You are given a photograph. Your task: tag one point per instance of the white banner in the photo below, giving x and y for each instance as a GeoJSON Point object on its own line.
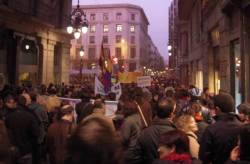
{"type": "Point", "coordinates": [111, 108]}
{"type": "Point", "coordinates": [99, 88]}
{"type": "Point", "coordinates": [144, 81]}
{"type": "Point", "coordinates": [117, 89]}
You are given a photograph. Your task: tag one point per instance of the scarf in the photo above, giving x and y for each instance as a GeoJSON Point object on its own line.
{"type": "Point", "coordinates": [185, 158]}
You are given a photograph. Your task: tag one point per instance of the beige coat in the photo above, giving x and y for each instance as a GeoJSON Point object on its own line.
{"type": "Point", "coordinates": [194, 146]}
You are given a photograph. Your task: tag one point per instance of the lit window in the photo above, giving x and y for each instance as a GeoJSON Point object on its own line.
{"type": "Point", "coordinates": [92, 28]}
{"type": "Point", "coordinates": [118, 16]}
{"type": "Point", "coordinates": [105, 28]}
{"type": "Point", "coordinates": [132, 28]}
{"type": "Point", "coordinates": [92, 17]}
{"type": "Point", "coordinates": [118, 28]}
{"type": "Point", "coordinates": [106, 16]}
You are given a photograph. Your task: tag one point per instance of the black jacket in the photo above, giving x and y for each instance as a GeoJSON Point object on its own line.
{"type": "Point", "coordinates": [23, 130]}
{"type": "Point", "coordinates": [145, 151]}
{"type": "Point", "coordinates": [219, 139]}
{"type": "Point", "coordinates": [237, 162]}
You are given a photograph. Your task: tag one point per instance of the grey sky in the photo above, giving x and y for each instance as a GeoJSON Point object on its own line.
{"type": "Point", "coordinates": [157, 13]}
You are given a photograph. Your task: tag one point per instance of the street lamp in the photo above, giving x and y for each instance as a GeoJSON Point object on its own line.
{"type": "Point", "coordinates": [169, 47]}
{"type": "Point", "coordinates": [81, 52]}
{"type": "Point", "coordinates": [169, 54]}
{"type": "Point", "coordinates": [78, 23]}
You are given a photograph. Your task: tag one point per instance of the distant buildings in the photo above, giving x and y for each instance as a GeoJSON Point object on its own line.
{"type": "Point", "coordinates": [123, 28]}
{"type": "Point", "coordinates": [213, 46]}
{"type": "Point", "coordinates": [34, 47]}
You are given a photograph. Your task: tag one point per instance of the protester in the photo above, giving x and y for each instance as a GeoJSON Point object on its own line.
{"type": "Point", "coordinates": [94, 142]}
{"type": "Point", "coordinates": [9, 104]}
{"type": "Point", "coordinates": [130, 129]}
{"type": "Point", "coordinates": [143, 105]}
{"type": "Point", "coordinates": [196, 111]}
{"type": "Point", "coordinates": [174, 149]}
{"type": "Point", "coordinates": [219, 139]}
{"type": "Point", "coordinates": [23, 130]}
{"type": "Point", "coordinates": [187, 124]}
{"type": "Point", "coordinates": [81, 107]}
{"type": "Point", "coordinates": [146, 147]}
{"type": "Point", "coordinates": [244, 112]}
{"type": "Point", "coordinates": [58, 134]}
{"type": "Point", "coordinates": [240, 154]}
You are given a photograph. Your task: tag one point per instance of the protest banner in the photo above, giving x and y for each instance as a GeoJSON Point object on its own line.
{"type": "Point", "coordinates": [144, 81]}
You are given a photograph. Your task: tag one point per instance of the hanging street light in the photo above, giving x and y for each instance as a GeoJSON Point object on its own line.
{"type": "Point", "coordinates": [78, 23]}
{"type": "Point", "coordinates": [81, 52]}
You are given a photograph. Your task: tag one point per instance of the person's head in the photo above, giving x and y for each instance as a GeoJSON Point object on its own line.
{"type": "Point", "coordinates": [33, 96]}
{"type": "Point", "coordinates": [165, 108]}
{"type": "Point", "coordinates": [94, 142]}
{"type": "Point", "coordinates": [224, 103]}
{"type": "Point", "coordinates": [10, 102]}
{"type": "Point", "coordinates": [175, 141]}
{"type": "Point", "coordinates": [186, 123]}
{"type": "Point", "coordinates": [66, 113]}
{"type": "Point", "coordinates": [99, 107]}
{"type": "Point", "coordinates": [27, 97]}
{"type": "Point", "coordinates": [129, 108]}
{"type": "Point", "coordinates": [195, 111]}
{"type": "Point", "coordinates": [244, 143]}
{"type": "Point", "coordinates": [244, 112]}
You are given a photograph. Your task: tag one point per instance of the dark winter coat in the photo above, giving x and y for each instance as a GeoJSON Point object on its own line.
{"type": "Point", "coordinates": [23, 129]}
{"type": "Point", "coordinates": [130, 132]}
{"type": "Point", "coordinates": [147, 144]}
{"type": "Point", "coordinates": [219, 139]}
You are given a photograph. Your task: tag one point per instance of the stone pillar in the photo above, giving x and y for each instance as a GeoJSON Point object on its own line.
{"type": "Point", "coordinates": [65, 63]}
{"type": "Point", "coordinates": [48, 61]}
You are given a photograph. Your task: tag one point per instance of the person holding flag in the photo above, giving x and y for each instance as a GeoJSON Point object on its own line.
{"type": "Point", "coordinates": [105, 64]}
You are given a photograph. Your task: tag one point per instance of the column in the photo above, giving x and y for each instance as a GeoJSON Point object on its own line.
{"type": "Point", "coordinates": [65, 63]}
{"type": "Point", "coordinates": [48, 61]}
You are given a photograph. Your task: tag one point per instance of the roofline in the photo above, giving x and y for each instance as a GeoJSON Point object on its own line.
{"type": "Point", "coordinates": [122, 5]}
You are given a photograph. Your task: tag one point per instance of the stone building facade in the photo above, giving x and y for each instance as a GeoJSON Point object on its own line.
{"type": "Point", "coordinates": [123, 28]}
{"type": "Point", "coordinates": [34, 46]}
{"type": "Point", "coordinates": [214, 46]}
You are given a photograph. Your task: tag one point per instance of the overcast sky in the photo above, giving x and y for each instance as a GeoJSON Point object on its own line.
{"type": "Point", "coordinates": [157, 13]}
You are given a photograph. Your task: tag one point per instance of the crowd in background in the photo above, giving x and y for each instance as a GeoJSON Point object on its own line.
{"type": "Point", "coordinates": [160, 124]}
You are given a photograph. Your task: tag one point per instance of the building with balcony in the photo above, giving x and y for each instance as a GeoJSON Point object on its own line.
{"type": "Point", "coordinates": [34, 46]}
{"type": "Point", "coordinates": [213, 45]}
{"type": "Point", "coordinates": [123, 30]}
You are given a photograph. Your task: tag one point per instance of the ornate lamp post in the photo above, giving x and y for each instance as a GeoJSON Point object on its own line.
{"type": "Point", "coordinates": [78, 23]}
{"type": "Point", "coordinates": [81, 63]}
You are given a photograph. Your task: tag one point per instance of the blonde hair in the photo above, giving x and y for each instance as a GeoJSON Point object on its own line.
{"type": "Point", "coordinates": [183, 122]}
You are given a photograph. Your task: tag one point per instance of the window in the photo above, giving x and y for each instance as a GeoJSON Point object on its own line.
{"type": "Point", "coordinates": [92, 39]}
{"type": "Point", "coordinates": [118, 16]}
{"type": "Point", "coordinates": [105, 39]}
{"type": "Point", "coordinates": [118, 28]}
{"type": "Point", "coordinates": [132, 52]}
{"type": "Point", "coordinates": [105, 28]}
{"type": "Point", "coordinates": [132, 28]}
{"type": "Point", "coordinates": [132, 39]}
{"type": "Point", "coordinates": [118, 38]}
{"type": "Point", "coordinates": [92, 28]}
{"type": "Point", "coordinates": [132, 67]}
{"type": "Point", "coordinates": [133, 17]}
{"type": "Point", "coordinates": [118, 52]}
{"type": "Point", "coordinates": [105, 16]}
{"type": "Point", "coordinates": [92, 17]}
{"type": "Point", "coordinates": [91, 53]}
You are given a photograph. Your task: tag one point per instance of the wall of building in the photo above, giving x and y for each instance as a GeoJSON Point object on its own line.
{"type": "Point", "coordinates": [42, 22]}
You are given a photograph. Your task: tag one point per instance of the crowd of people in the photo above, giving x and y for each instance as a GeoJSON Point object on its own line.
{"type": "Point", "coordinates": [160, 124]}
